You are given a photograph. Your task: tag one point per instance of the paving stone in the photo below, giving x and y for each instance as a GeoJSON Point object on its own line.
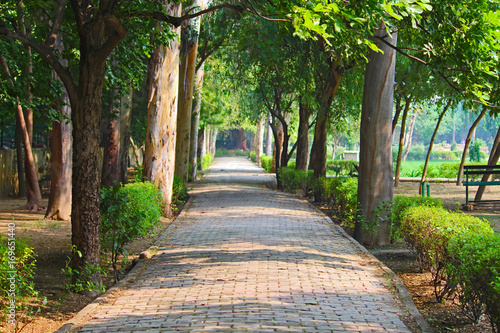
{"type": "Point", "coordinates": [242, 257]}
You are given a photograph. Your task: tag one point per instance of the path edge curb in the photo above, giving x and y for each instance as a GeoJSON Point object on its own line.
{"type": "Point", "coordinates": [404, 295]}
{"type": "Point", "coordinates": [77, 321]}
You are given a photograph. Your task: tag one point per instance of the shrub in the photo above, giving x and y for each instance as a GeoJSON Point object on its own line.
{"type": "Point", "coordinates": [443, 155]}
{"type": "Point", "coordinates": [476, 268]}
{"type": "Point", "coordinates": [18, 251]}
{"type": "Point", "coordinates": [207, 161]}
{"type": "Point", "coordinates": [475, 151]}
{"type": "Point", "coordinates": [429, 230]}
{"type": "Point", "coordinates": [341, 193]}
{"type": "Point", "coordinates": [179, 191]}
{"type": "Point", "coordinates": [230, 153]}
{"type": "Point", "coordinates": [252, 155]}
{"type": "Point", "coordinates": [342, 167]}
{"type": "Point", "coordinates": [400, 206]}
{"type": "Point", "coordinates": [127, 213]}
{"type": "Point", "coordinates": [267, 163]}
{"type": "Point", "coordinates": [448, 170]}
{"type": "Point", "coordinates": [293, 180]}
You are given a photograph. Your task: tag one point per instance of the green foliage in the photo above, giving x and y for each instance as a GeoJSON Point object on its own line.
{"type": "Point", "coordinates": [267, 163]}
{"type": "Point", "coordinates": [179, 191]}
{"type": "Point", "coordinates": [341, 193]}
{"type": "Point", "coordinates": [475, 266]}
{"type": "Point", "coordinates": [294, 180]}
{"type": "Point", "coordinates": [127, 213]}
{"type": "Point", "coordinates": [252, 155]}
{"type": "Point", "coordinates": [345, 168]}
{"type": "Point", "coordinates": [207, 161]}
{"type": "Point", "coordinates": [429, 230]}
{"type": "Point", "coordinates": [20, 252]}
{"type": "Point", "coordinates": [230, 153]}
{"type": "Point", "coordinates": [400, 206]}
{"type": "Point", "coordinates": [80, 280]}
{"type": "Point", "coordinates": [475, 153]}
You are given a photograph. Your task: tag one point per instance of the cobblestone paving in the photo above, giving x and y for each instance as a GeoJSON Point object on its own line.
{"type": "Point", "coordinates": [242, 257]}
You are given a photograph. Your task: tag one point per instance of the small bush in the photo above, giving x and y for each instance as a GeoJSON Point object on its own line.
{"type": "Point", "coordinates": [443, 156]}
{"type": "Point", "coordinates": [293, 180]}
{"type": "Point", "coordinates": [230, 153]}
{"type": "Point", "coordinates": [127, 213]}
{"type": "Point", "coordinates": [267, 163]}
{"type": "Point", "coordinates": [344, 168]}
{"type": "Point", "coordinates": [429, 230]}
{"type": "Point", "coordinates": [341, 193]}
{"type": "Point", "coordinates": [207, 161]}
{"type": "Point", "coordinates": [179, 191]}
{"type": "Point", "coordinates": [21, 255]}
{"type": "Point", "coordinates": [400, 206]}
{"type": "Point", "coordinates": [475, 266]}
{"type": "Point", "coordinates": [252, 155]}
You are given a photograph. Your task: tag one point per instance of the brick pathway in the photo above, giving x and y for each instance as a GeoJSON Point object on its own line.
{"type": "Point", "coordinates": [242, 257]}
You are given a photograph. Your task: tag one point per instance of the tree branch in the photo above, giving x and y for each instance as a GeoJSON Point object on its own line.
{"type": "Point", "coordinates": [56, 24]}
{"type": "Point", "coordinates": [46, 54]}
{"type": "Point", "coordinates": [177, 21]}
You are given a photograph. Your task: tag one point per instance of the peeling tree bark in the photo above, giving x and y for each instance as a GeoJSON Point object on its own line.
{"type": "Point", "coordinates": [375, 185]}
{"type": "Point", "coordinates": [159, 155]}
{"type": "Point", "coordinates": [195, 123]}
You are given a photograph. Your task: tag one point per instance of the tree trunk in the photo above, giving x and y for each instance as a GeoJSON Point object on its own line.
{"type": "Point", "coordinates": [303, 137]}
{"type": "Point", "coordinates": [375, 187]}
{"type": "Point", "coordinates": [202, 146]}
{"type": "Point", "coordinates": [409, 136]}
{"type": "Point", "coordinates": [189, 48]}
{"type": "Point", "coordinates": [111, 157]}
{"type": "Point", "coordinates": [492, 160]}
{"type": "Point", "coordinates": [318, 148]}
{"type": "Point", "coordinates": [269, 138]}
{"type": "Point", "coordinates": [97, 39]}
{"type": "Point", "coordinates": [213, 140]}
{"type": "Point", "coordinates": [159, 156]}
{"type": "Point", "coordinates": [401, 140]}
{"type": "Point", "coordinates": [59, 206]}
{"type": "Point", "coordinates": [32, 188]}
{"type": "Point", "coordinates": [20, 161]}
{"type": "Point", "coordinates": [195, 123]}
{"type": "Point", "coordinates": [466, 146]}
{"type": "Point", "coordinates": [125, 121]}
{"type": "Point", "coordinates": [396, 115]}
{"type": "Point", "coordinates": [431, 144]}
{"type": "Point", "coordinates": [259, 137]}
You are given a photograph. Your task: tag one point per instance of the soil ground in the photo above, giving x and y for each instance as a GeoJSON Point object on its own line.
{"type": "Point", "coordinates": [52, 241]}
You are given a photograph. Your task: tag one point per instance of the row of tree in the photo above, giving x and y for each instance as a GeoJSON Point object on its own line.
{"type": "Point", "coordinates": [285, 56]}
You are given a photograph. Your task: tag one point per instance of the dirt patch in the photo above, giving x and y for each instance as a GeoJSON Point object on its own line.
{"type": "Point", "coordinates": [51, 241]}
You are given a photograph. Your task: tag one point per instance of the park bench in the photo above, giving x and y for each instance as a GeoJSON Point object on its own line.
{"type": "Point", "coordinates": [471, 172]}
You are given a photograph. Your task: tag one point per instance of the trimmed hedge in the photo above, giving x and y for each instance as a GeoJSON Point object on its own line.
{"type": "Point", "coordinates": [476, 268]}
{"type": "Point", "coordinates": [207, 161]}
{"type": "Point", "coordinates": [294, 180]}
{"type": "Point", "coordinates": [463, 254]}
{"type": "Point", "coordinates": [267, 163]}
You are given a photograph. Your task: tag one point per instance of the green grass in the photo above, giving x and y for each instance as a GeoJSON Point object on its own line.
{"type": "Point", "coordinates": [408, 166]}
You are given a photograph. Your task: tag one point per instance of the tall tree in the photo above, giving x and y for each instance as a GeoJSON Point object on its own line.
{"type": "Point", "coordinates": [97, 29]}
{"type": "Point", "coordinates": [189, 51]}
{"type": "Point", "coordinates": [375, 188]}
{"type": "Point", "coordinates": [159, 156]}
